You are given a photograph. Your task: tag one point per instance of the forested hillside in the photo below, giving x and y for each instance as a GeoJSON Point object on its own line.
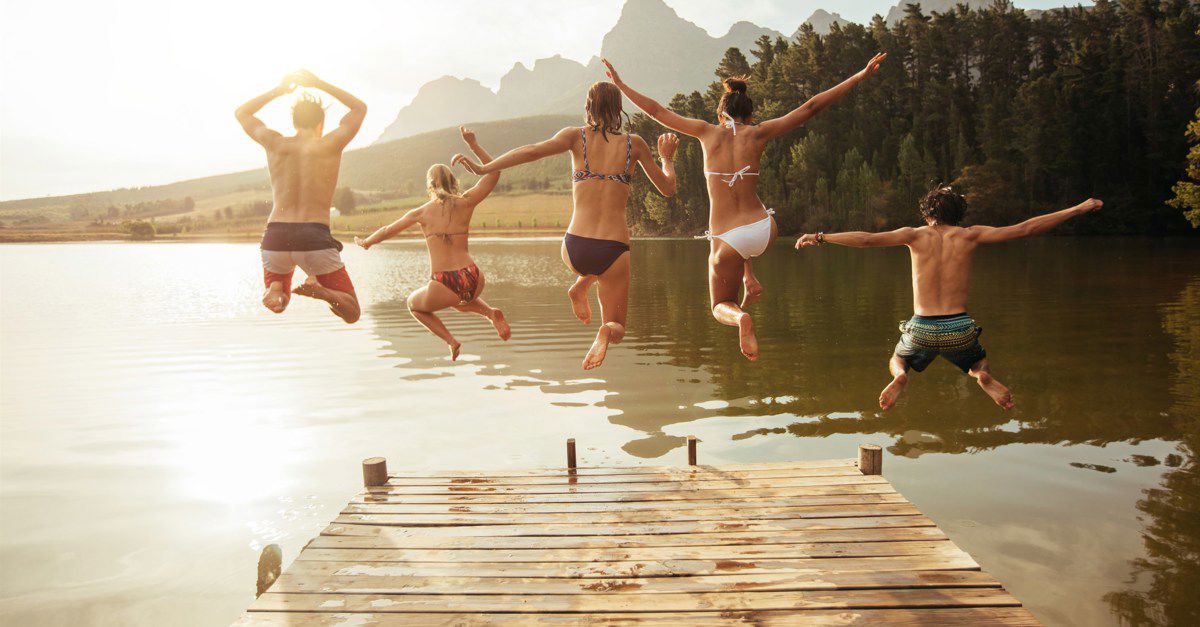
{"type": "Point", "coordinates": [1025, 115]}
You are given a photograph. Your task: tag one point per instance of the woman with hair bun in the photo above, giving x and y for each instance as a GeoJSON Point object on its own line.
{"type": "Point", "coordinates": [454, 281]}
{"type": "Point", "coordinates": [596, 245]}
{"type": "Point", "coordinates": [740, 226]}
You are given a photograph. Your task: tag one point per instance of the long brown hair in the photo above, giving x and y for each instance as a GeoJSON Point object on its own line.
{"type": "Point", "coordinates": [603, 109]}
{"type": "Point", "coordinates": [734, 102]}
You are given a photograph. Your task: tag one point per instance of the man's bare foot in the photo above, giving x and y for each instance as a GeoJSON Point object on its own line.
{"type": "Point", "coordinates": [891, 393]}
{"type": "Point", "coordinates": [746, 337]}
{"type": "Point", "coordinates": [579, 301]}
{"type": "Point", "coordinates": [996, 390]}
{"type": "Point", "coordinates": [276, 298]}
{"type": "Point", "coordinates": [502, 328]}
{"type": "Point", "coordinates": [599, 349]}
{"type": "Point", "coordinates": [754, 291]}
{"type": "Point", "coordinates": [454, 348]}
{"type": "Point", "coordinates": [310, 288]}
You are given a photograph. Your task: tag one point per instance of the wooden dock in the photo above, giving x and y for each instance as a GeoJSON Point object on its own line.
{"type": "Point", "coordinates": [812, 543]}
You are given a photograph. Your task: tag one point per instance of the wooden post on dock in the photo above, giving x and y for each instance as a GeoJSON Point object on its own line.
{"type": "Point", "coordinates": [571, 454]}
{"type": "Point", "coordinates": [870, 459]}
{"type": "Point", "coordinates": [691, 450]}
{"type": "Point", "coordinates": [374, 471]}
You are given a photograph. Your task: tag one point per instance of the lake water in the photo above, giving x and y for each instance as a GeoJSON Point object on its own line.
{"type": "Point", "coordinates": [159, 427]}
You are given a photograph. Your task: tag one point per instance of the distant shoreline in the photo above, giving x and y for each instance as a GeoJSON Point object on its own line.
{"type": "Point", "coordinates": [15, 236]}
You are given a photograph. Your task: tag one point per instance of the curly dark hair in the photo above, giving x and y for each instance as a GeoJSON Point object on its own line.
{"type": "Point", "coordinates": [943, 205]}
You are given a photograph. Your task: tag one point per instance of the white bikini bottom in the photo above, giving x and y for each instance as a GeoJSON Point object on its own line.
{"type": "Point", "coordinates": [749, 240]}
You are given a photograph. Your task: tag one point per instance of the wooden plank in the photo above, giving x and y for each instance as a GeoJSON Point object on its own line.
{"type": "Point", "coordinates": [665, 602]}
{"type": "Point", "coordinates": [714, 552]}
{"type": "Point", "coordinates": [672, 475]}
{"type": "Point", "coordinates": [625, 529]}
{"type": "Point", "coordinates": [631, 486]}
{"type": "Point", "coordinates": [606, 518]}
{"type": "Point", "coordinates": [306, 584]}
{"type": "Point", "coordinates": [1000, 616]}
{"type": "Point", "coordinates": [520, 509]}
{"type": "Point", "coordinates": [404, 542]}
{"type": "Point", "coordinates": [739, 494]}
{"type": "Point", "coordinates": [675, 568]}
{"type": "Point", "coordinates": [624, 470]}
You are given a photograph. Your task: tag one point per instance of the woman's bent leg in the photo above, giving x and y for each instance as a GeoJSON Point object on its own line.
{"type": "Point", "coordinates": [614, 306]}
{"type": "Point", "coordinates": [424, 302]}
{"type": "Point", "coordinates": [754, 288]}
{"type": "Point", "coordinates": [726, 269]}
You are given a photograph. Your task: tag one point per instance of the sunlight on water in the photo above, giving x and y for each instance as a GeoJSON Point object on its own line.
{"type": "Point", "coordinates": [159, 427]}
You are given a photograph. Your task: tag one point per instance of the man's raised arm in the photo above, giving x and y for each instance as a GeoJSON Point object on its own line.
{"type": "Point", "coordinates": [353, 119]}
{"type": "Point", "coordinates": [1033, 226]}
{"type": "Point", "coordinates": [253, 126]}
{"type": "Point", "coordinates": [860, 239]}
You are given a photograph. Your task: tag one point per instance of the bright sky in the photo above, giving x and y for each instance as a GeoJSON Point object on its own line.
{"type": "Point", "coordinates": [100, 95]}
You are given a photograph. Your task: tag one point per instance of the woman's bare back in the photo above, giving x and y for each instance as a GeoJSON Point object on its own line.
{"type": "Point", "coordinates": [733, 189]}
{"type": "Point", "coordinates": [600, 203]}
{"type": "Point", "coordinates": [445, 225]}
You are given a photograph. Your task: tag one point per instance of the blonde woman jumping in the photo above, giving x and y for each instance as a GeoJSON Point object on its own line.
{"type": "Point", "coordinates": [454, 281]}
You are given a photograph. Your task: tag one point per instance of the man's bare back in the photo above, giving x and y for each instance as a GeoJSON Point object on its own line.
{"type": "Point", "coordinates": [942, 253]}
{"type": "Point", "coordinates": [304, 172]}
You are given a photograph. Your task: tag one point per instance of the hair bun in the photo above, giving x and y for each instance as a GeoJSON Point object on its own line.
{"type": "Point", "coordinates": [735, 84]}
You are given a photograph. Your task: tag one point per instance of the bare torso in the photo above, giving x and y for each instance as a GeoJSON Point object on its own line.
{"type": "Point", "coordinates": [600, 203]}
{"type": "Point", "coordinates": [444, 225]}
{"type": "Point", "coordinates": [734, 205]}
{"type": "Point", "coordinates": [941, 269]}
{"type": "Point", "coordinates": [304, 174]}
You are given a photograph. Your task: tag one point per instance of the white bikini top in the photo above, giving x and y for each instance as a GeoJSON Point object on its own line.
{"type": "Point", "coordinates": [733, 176]}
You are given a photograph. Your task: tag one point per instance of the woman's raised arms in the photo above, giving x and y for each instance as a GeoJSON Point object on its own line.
{"type": "Point", "coordinates": [663, 179]}
{"type": "Point", "coordinates": [560, 143]}
{"type": "Point", "coordinates": [793, 119]}
{"type": "Point", "coordinates": [664, 116]}
{"type": "Point", "coordinates": [487, 183]}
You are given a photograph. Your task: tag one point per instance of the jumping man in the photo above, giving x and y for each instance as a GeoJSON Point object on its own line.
{"type": "Point", "coordinates": [304, 173]}
{"type": "Point", "coordinates": [941, 269]}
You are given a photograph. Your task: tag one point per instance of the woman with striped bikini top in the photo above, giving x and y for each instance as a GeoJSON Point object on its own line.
{"type": "Point", "coordinates": [740, 226]}
{"type": "Point", "coordinates": [596, 245]}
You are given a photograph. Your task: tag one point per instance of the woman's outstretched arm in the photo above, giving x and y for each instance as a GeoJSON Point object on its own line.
{"type": "Point", "coordinates": [391, 230]}
{"type": "Point", "coordinates": [663, 179]}
{"type": "Point", "coordinates": [818, 103]}
{"type": "Point", "coordinates": [487, 183]}
{"type": "Point", "coordinates": [664, 116]}
{"type": "Point", "coordinates": [560, 143]}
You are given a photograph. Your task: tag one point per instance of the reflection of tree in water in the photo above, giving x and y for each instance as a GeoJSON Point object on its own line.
{"type": "Point", "coordinates": [1172, 509]}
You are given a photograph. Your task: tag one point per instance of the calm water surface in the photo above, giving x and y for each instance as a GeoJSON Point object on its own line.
{"type": "Point", "coordinates": [159, 427]}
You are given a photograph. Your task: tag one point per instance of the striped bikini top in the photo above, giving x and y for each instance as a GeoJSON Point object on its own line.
{"type": "Point", "coordinates": [586, 173]}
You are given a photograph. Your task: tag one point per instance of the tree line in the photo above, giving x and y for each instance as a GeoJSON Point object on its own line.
{"type": "Point", "coordinates": [1023, 113]}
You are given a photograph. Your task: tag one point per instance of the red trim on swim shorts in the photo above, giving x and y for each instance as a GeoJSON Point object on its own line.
{"type": "Point", "coordinates": [338, 280]}
{"type": "Point", "coordinates": [271, 277]}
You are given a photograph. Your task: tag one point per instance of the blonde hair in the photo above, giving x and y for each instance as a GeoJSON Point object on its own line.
{"type": "Point", "coordinates": [441, 183]}
{"type": "Point", "coordinates": [603, 109]}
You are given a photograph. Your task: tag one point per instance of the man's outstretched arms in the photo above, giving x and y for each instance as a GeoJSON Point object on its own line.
{"type": "Point", "coordinates": [1033, 226]}
{"type": "Point", "coordinates": [351, 122]}
{"type": "Point", "coordinates": [255, 127]}
{"type": "Point", "coordinates": [860, 239]}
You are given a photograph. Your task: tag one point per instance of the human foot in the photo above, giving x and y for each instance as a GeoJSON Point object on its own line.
{"type": "Point", "coordinates": [754, 291]}
{"type": "Point", "coordinates": [746, 337]}
{"type": "Point", "coordinates": [996, 390]}
{"type": "Point", "coordinates": [599, 349]}
{"type": "Point", "coordinates": [891, 393]}
{"type": "Point", "coordinates": [502, 328]}
{"type": "Point", "coordinates": [579, 301]}
{"type": "Point", "coordinates": [454, 348]}
{"type": "Point", "coordinates": [311, 289]}
{"type": "Point", "coordinates": [276, 298]}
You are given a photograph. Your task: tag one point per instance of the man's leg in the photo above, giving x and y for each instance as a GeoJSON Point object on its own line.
{"type": "Point", "coordinates": [343, 304]}
{"type": "Point", "coordinates": [277, 277]}
{"type": "Point", "coordinates": [899, 369]}
{"type": "Point", "coordinates": [1002, 395]}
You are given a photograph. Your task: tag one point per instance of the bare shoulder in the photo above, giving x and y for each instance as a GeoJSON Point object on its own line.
{"type": "Point", "coordinates": [640, 145]}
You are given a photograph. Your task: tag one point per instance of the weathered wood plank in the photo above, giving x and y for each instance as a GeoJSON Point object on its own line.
{"type": "Point", "coordinates": [306, 584]}
{"type": "Point", "coordinates": [665, 602]}
{"type": "Point", "coordinates": [745, 493]}
{"type": "Point", "coordinates": [625, 529]}
{"type": "Point", "coordinates": [632, 486]}
{"type": "Point", "coordinates": [404, 542]}
{"type": "Point", "coordinates": [520, 509]}
{"type": "Point", "coordinates": [673, 568]}
{"type": "Point", "coordinates": [715, 552]}
{"type": "Point", "coordinates": [1006, 616]}
{"type": "Point", "coordinates": [673, 475]}
{"type": "Point", "coordinates": [606, 518]}
{"type": "Point", "coordinates": [623, 470]}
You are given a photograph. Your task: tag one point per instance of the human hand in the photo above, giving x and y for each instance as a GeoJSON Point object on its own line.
{"type": "Point", "coordinates": [1091, 204]}
{"type": "Point", "coordinates": [466, 163]}
{"type": "Point", "coordinates": [611, 72]}
{"type": "Point", "coordinates": [362, 242]}
{"type": "Point", "coordinates": [304, 78]}
{"type": "Point", "coordinates": [468, 135]}
{"type": "Point", "coordinates": [667, 144]}
{"type": "Point", "coordinates": [808, 239]}
{"type": "Point", "coordinates": [873, 65]}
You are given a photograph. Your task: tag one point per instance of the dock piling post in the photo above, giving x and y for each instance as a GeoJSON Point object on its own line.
{"type": "Point", "coordinates": [571, 454]}
{"type": "Point", "coordinates": [374, 471]}
{"type": "Point", "coordinates": [870, 459]}
{"type": "Point", "coordinates": [691, 440]}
